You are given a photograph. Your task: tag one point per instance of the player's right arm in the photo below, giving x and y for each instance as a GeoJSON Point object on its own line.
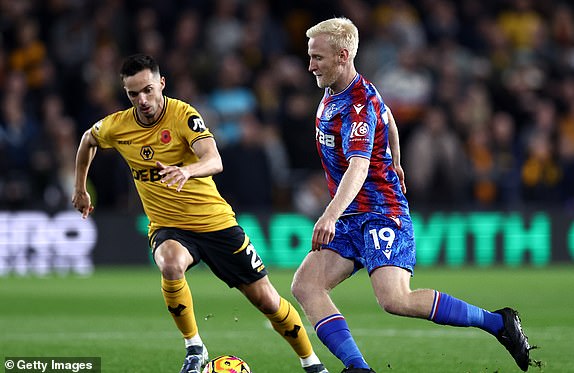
{"type": "Point", "coordinates": [84, 156]}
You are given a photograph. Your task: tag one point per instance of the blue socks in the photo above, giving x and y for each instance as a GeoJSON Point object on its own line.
{"type": "Point", "coordinates": [447, 310]}
{"type": "Point", "coordinates": [334, 332]}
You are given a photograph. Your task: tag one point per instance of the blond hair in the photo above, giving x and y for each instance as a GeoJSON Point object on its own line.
{"type": "Point", "coordinates": [341, 33]}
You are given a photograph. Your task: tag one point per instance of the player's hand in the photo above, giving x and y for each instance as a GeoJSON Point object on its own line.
{"type": "Point", "coordinates": [323, 232]}
{"type": "Point", "coordinates": [173, 175]}
{"type": "Point", "coordinates": [83, 203]}
{"type": "Point", "coordinates": [401, 174]}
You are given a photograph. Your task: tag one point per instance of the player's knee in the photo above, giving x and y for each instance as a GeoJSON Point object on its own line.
{"type": "Point", "coordinates": [172, 270]}
{"type": "Point", "coordinates": [267, 305]}
{"type": "Point", "coordinates": [172, 259]}
{"type": "Point", "coordinates": [298, 290]}
{"type": "Point", "coordinates": [262, 295]}
{"type": "Point", "coordinates": [265, 302]}
{"type": "Point", "coordinates": [304, 291]}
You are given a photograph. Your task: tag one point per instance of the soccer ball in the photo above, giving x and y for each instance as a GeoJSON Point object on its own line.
{"type": "Point", "coordinates": [226, 364]}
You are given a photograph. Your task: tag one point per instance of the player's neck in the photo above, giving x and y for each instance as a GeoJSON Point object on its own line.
{"type": "Point", "coordinates": [344, 80]}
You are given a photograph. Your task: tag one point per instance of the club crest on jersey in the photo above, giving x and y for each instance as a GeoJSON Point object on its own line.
{"type": "Point", "coordinates": [195, 123]}
{"type": "Point", "coordinates": [146, 152]}
{"type": "Point", "coordinates": [330, 112]}
{"type": "Point", "coordinates": [165, 137]}
{"type": "Point", "coordinates": [359, 129]}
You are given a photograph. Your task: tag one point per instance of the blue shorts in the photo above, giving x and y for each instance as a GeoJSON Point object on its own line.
{"type": "Point", "coordinates": [373, 240]}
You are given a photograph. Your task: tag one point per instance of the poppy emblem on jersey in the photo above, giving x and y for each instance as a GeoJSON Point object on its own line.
{"type": "Point", "coordinates": [359, 129]}
{"type": "Point", "coordinates": [165, 137]}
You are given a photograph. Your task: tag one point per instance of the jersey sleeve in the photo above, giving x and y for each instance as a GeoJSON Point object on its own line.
{"type": "Point", "coordinates": [195, 128]}
{"type": "Point", "coordinates": [358, 129]}
{"type": "Point", "coordinates": [101, 132]}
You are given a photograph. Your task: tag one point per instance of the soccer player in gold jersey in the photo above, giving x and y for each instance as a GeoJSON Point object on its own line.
{"type": "Point", "coordinates": [172, 156]}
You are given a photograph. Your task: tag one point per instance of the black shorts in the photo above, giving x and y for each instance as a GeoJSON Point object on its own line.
{"type": "Point", "coordinates": [228, 252]}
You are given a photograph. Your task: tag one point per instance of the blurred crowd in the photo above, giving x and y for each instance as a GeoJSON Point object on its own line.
{"type": "Point", "coordinates": [483, 93]}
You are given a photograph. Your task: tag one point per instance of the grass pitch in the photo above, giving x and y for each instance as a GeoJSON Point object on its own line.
{"type": "Point", "coordinates": [118, 314]}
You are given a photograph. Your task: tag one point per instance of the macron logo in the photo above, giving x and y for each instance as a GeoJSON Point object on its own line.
{"type": "Point", "coordinates": [396, 220]}
{"type": "Point", "coordinates": [358, 107]}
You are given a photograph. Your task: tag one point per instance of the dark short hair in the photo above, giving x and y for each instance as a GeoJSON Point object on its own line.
{"type": "Point", "coordinates": [136, 63]}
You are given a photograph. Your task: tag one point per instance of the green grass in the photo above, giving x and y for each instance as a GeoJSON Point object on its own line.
{"type": "Point", "coordinates": [118, 314]}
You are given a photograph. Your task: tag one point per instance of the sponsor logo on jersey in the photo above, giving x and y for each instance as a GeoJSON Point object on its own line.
{"type": "Point", "coordinates": [324, 138]}
{"type": "Point", "coordinates": [196, 124]}
{"type": "Point", "coordinates": [125, 142]}
{"type": "Point", "coordinates": [148, 174]}
{"type": "Point", "coordinates": [359, 129]}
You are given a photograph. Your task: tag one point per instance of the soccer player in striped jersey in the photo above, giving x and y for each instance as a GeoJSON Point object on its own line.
{"type": "Point", "coordinates": [367, 223]}
{"type": "Point", "coordinates": [172, 156]}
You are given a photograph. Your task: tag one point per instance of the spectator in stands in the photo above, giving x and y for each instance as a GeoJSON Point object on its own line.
{"type": "Point", "coordinates": [30, 54]}
{"type": "Point", "coordinates": [406, 88]}
{"type": "Point", "coordinates": [521, 24]}
{"type": "Point", "coordinates": [224, 28]}
{"type": "Point", "coordinates": [247, 157]}
{"type": "Point", "coordinates": [435, 162]}
{"type": "Point", "coordinates": [18, 132]}
{"type": "Point", "coordinates": [541, 173]}
{"type": "Point", "coordinates": [507, 158]}
{"type": "Point", "coordinates": [508, 57]}
{"type": "Point", "coordinates": [231, 98]}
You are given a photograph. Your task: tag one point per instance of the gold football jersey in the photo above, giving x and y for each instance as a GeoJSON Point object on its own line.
{"type": "Point", "coordinates": [198, 206]}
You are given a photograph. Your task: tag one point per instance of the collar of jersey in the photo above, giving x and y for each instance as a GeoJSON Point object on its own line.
{"type": "Point", "coordinates": [146, 125]}
{"type": "Point", "coordinates": [346, 88]}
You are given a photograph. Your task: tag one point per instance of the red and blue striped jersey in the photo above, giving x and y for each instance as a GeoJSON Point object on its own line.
{"type": "Point", "coordinates": [354, 123]}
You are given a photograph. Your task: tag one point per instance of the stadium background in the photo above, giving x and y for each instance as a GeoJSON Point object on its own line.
{"type": "Point", "coordinates": [483, 93]}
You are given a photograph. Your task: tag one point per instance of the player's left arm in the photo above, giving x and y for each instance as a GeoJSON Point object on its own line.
{"type": "Point", "coordinates": [396, 149]}
{"type": "Point", "coordinates": [209, 164]}
{"type": "Point", "coordinates": [351, 183]}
